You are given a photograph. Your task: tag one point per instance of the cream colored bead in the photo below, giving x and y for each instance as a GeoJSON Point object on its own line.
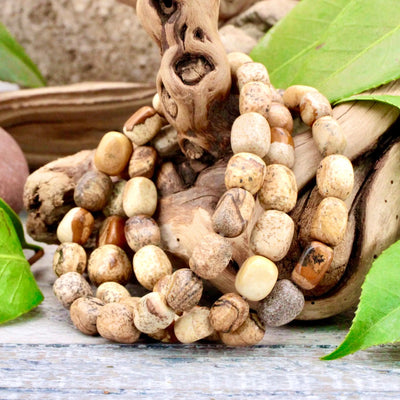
{"type": "Point", "coordinates": [314, 105]}
{"type": "Point", "coordinates": [113, 153]}
{"type": "Point", "coordinates": [111, 292]}
{"type": "Point", "coordinates": [279, 190]}
{"type": "Point", "coordinates": [156, 103]}
{"type": "Point", "coordinates": [251, 134]}
{"type": "Point", "coordinates": [251, 72]}
{"type": "Point", "coordinates": [293, 95]}
{"type": "Point", "coordinates": [330, 221]}
{"type": "Point", "coordinates": [256, 278]}
{"type": "Point", "coordinates": [328, 136]}
{"type": "Point", "coordinates": [141, 231]}
{"type": "Point", "coordinates": [76, 226]}
{"type": "Point", "coordinates": [246, 171]}
{"type": "Point", "coordinates": [193, 325]}
{"type": "Point", "coordinates": [281, 150]}
{"type": "Point", "coordinates": [150, 264]}
{"type": "Point", "coordinates": [272, 235]}
{"type": "Point", "coordinates": [255, 97]}
{"type": "Point", "coordinates": [140, 197]}
{"type": "Point", "coordinates": [69, 257]}
{"type": "Point", "coordinates": [335, 177]}
{"type": "Point", "coordinates": [279, 116]}
{"type": "Point", "coordinates": [236, 59]}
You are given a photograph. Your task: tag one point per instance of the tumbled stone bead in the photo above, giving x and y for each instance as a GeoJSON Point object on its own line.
{"type": "Point", "coordinates": [335, 177]}
{"type": "Point", "coordinates": [282, 305]}
{"type": "Point", "coordinates": [328, 136]}
{"type": "Point", "coordinates": [236, 59]}
{"type": "Point", "coordinates": [112, 232]}
{"type": "Point", "coordinates": [281, 150]}
{"type": "Point", "coordinates": [112, 153]}
{"type": "Point", "coordinates": [256, 278]}
{"type": "Point", "coordinates": [293, 95]}
{"type": "Point", "coordinates": [114, 203]}
{"type": "Point", "coordinates": [312, 265]}
{"type": "Point", "coordinates": [314, 105]}
{"type": "Point", "coordinates": [246, 171]}
{"type": "Point", "coordinates": [142, 162]}
{"type": "Point", "coordinates": [279, 116]}
{"type": "Point", "coordinates": [255, 97]}
{"type": "Point", "coordinates": [250, 134]}
{"type": "Point", "coordinates": [279, 190]}
{"type": "Point", "coordinates": [329, 221]}
{"type": "Point", "coordinates": [251, 72]}
{"type": "Point", "coordinates": [272, 235]}
{"type": "Point", "coordinates": [233, 212]}
{"type": "Point", "coordinates": [76, 226]}
{"type": "Point", "coordinates": [140, 231]}
{"type": "Point", "coordinates": [140, 197]}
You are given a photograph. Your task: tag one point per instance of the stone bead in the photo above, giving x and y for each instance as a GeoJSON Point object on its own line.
{"type": "Point", "coordinates": [282, 305]}
{"type": "Point", "coordinates": [157, 105]}
{"type": "Point", "coordinates": [250, 134]}
{"type": "Point", "coordinates": [69, 257]}
{"type": "Point", "coordinates": [312, 265]}
{"type": "Point", "coordinates": [76, 226]}
{"type": "Point", "coordinates": [166, 142]}
{"type": "Point", "coordinates": [143, 125]}
{"type": "Point", "coordinates": [236, 59]}
{"type": "Point", "coordinates": [233, 212]}
{"type": "Point", "coordinates": [142, 162]}
{"type": "Point", "coordinates": [329, 221]}
{"type": "Point", "coordinates": [112, 232]}
{"type": "Point", "coordinates": [328, 136]}
{"type": "Point", "coordinates": [281, 150]}
{"type": "Point", "coordinates": [255, 97]}
{"type": "Point", "coordinates": [113, 153]}
{"type": "Point", "coordinates": [140, 231]}
{"type": "Point", "coordinates": [111, 292]}
{"type": "Point", "coordinates": [279, 116]}
{"type": "Point", "coordinates": [139, 197]}
{"type": "Point", "coordinates": [279, 190]}
{"type": "Point", "coordinates": [150, 264]}
{"type": "Point", "coordinates": [293, 95]}
{"type": "Point", "coordinates": [335, 177]}
{"type": "Point", "coordinates": [256, 278]}
{"type": "Point", "coordinates": [84, 312]}
{"type": "Point", "coordinates": [314, 105]}
{"type": "Point", "coordinates": [251, 72]}
{"type": "Point", "coordinates": [272, 235]}
{"type": "Point", "coordinates": [246, 171]}
{"type": "Point", "coordinates": [114, 203]}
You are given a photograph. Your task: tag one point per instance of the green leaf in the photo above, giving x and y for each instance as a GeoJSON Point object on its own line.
{"type": "Point", "coordinates": [383, 98]}
{"type": "Point", "coordinates": [19, 292]}
{"type": "Point", "coordinates": [377, 320]}
{"type": "Point", "coordinates": [341, 47]}
{"type": "Point", "coordinates": [15, 65]}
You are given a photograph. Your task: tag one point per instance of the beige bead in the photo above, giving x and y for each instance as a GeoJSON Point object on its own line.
{"type": "Point", "coordinates": [236, 59]}
{"type": "Point", "coordinates": [152, 314]}
{"type": "Point", "coordinates": [84, 312]}
{"type": "Point", "coordinates": [210, 256]}
{"type": "Point", "coordinates": [246, 171]}
{"type": "Point", "coordinates": [139, 197]}
{"type": "Point", "coordinates": [335, 177]}
{"type": "Point", "coordinates": [277, 95]}
{"type": "Point", "coordinates": [272, 235]}
{"type": "Point", "coordinates": [162, 285]}
{"type": "Point", "coordinates": [156, 103]}
{"type": "Point", "coordinates": [69, 257]}
{"type": "Point", "coordinates": [314, 105]}
{"type": "Point", "coordinates": [132, 302]}
{"type": "Point", "coordinates": [330, 221]}
{"type": "Point", "coordinates": [328, 136]}
{"type": "Point", "coordinates": [140, 231]}
{"type": "Point", "coordinates": [142, 162]}
{"type": "Point", "coordinates": [250, 134]}
{"type": "Point", "coordinates": [76, 226]}
{"type": "Point", "coordinates": [150, 264]}
{"type": "Point", "coordinates": [166, 142]}
{"type": "Point", "coordinates": [255, 97]}
{"type": "Point", "coordinates": [293, 95]}
{"type": "Point", "coordinates": [111, 292]}
{"type": "Point", "coordinates": [251, 72]}
{"type": "Point", "coordinates": [279, 190]}
{"type": "Point", "coordinates": [279, 116]}
{"type": "Point", "coordinates": [256, 278]}
{"type": "Point", "coordinates": [281, 150]}
{"type": "Point", "coordinates": [233, 212]}
{"type": "Point", "coordinates": [193, 325]}
{"type": "Point", "coordinates": [113, 153]}
{"type": "Point", "coordinates": [114, 203]}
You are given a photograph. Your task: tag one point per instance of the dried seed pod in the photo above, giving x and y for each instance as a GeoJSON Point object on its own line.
{"type": "Point", "coordinates": [140, 231]}
{"type": "Point", "coordinates": [111, 292]}
{"type": "Point", "coordinates": [184, 290]}
{"type": "Point", "coordinates": [236, 59]}
{"type": "Point", "coordinates": [142, 162]}
{"type": "Point", "coordinates": [249, 333]}
{"type": "Point", "coordinates": [281, 150]}
{"type": "Point", "coordinates": [69, 257]}
{"type": "Point", "coordinates": [314, 105]}
{"type": "Point", "coordinates": [246, 171]}
{"type": "Point", "coordinates": [193, 325]}
{"type": "Point", "coordinates": [113, 153]}
{"type": "Point", "coordinates": [84, 312]}
{"type": "Point", "coordinates": [229, 312]}
{"type": "Point", "coordinates": [153, 314]}
{"type": "Point", "coordinates": [114, 204]}
{"type": "Point", "coordinates": [251, 134]}
{"type": "Point", "coordinates": [293, 95]}
{"type": "Point", "coordinates": [115, 322]}
{"type": "Point", "coordinates": [328, 136]}
{"type": "Point", "coordinates": [112, 232]}
{"type": "Point", "coordinates": [211, 256]}
{"type": "Point", "coordinates": [109, 263]}
{"type": "Point", "coordinates": [255, 97]}
{"type": "Point", "coordinates": [69, 287]}
{"type": "Point", "coordinates": [233, 212]}
{"type": "Point", "coordinates": [150, 264]}
{"type": "Point", "coordinates": [76, 226]}
{"type": "Point", "coordinates": [282, 305]}
{"type": "Point", "coordinates": [279, 116]}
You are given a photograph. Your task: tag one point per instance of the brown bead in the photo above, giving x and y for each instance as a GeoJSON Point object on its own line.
{"type": "Point", "coordinates": [76, 226]}
{"type": "Point", "coordinates": [281, 150]}
{"type": "Point", "coordinates": [112, 232]}
{"type": "Point", "coordinates": [312, 265]}
{"type": "Point", "coordinates": [140, 231]}
{"type": "Point", "coordinates": [142, 162]}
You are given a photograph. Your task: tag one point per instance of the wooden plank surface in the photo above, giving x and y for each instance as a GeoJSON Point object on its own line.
{"type": "Point", "coordinates": [43, 356]}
